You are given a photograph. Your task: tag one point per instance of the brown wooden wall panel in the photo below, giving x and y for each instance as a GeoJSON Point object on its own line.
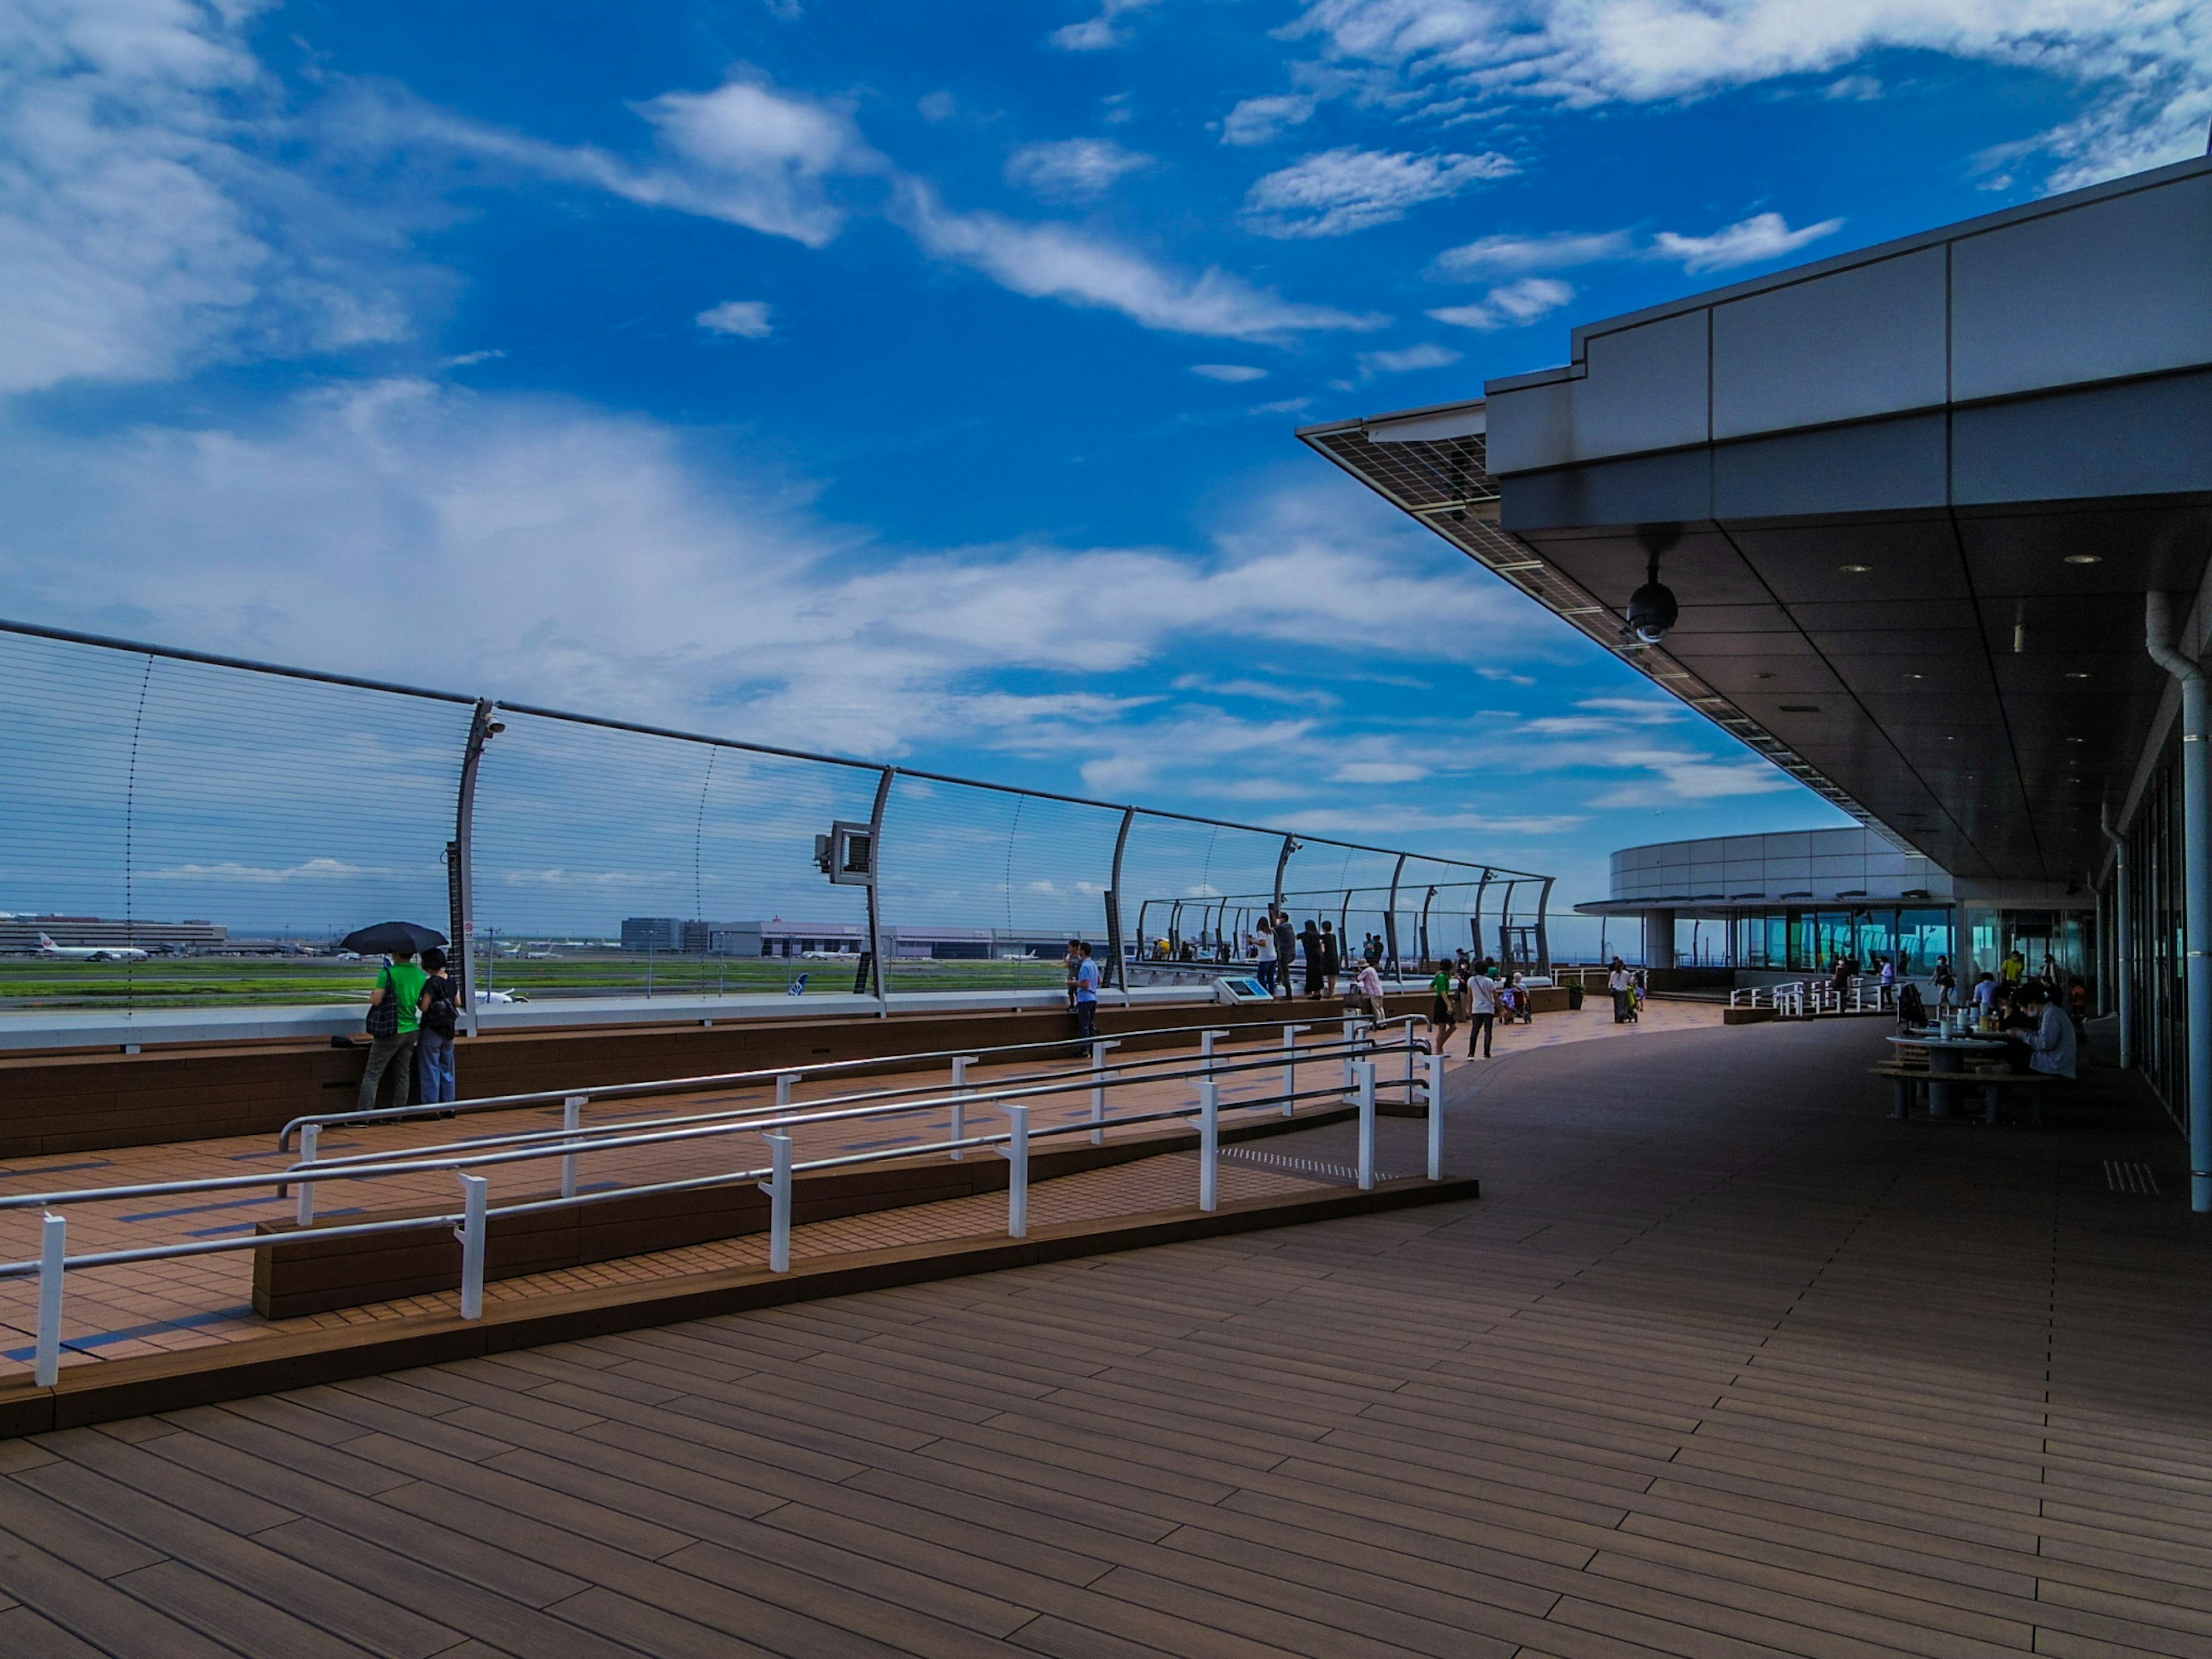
{"type": "Point", "coordinates": [82, 1101]}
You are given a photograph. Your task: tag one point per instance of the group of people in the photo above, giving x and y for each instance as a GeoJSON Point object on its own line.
{"type": "Point", "coordinates": [1465, 991]}
{"type": "Point", "coordinates": [418, 1053]}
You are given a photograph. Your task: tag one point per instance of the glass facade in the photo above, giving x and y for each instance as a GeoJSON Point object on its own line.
{"type": "Point", "coordinates": [1974, 937]}
{"type": "Point", "coordinates": [2154, 881]}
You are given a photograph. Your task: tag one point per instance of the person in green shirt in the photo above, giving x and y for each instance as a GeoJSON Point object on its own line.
{"type": "Point", "coordinates": [1443, 1020]}
{"type": "Point", "coordinates": [401, 981]}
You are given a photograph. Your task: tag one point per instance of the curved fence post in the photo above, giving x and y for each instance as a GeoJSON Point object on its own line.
{"type": "Point", "coordinates": [1543, 933]}
{"type": "Point", "coordinates": [461, 855]}
{"type": "Point", "coordinates": [1390, 923]}
{"type": "Point", "coordinates": [1114, 945]}
{"type": "Point", "coordinates": [874, 888]}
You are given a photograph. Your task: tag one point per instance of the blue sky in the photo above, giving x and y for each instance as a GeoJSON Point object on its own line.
{"type": "Point", "coordinates": [919, 382]}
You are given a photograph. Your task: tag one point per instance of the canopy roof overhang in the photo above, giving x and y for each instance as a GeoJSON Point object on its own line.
{"type": "Point", "coordinates": [1924, 491]}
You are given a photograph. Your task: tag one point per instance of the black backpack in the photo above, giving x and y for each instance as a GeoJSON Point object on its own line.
{"type": "Point", "coordinates": [441, 1015]}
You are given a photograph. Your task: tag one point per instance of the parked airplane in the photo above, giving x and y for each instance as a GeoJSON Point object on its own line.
{"type": "Point", "coordinates": [90, 952]}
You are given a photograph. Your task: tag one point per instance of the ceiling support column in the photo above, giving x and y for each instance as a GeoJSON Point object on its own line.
{"type": "Point", "coordinates": [2122, 988]}
{"type": "Point", "coordinates": [2197, 889]}
{"type": "Point", "coordinates": [1658, 940]}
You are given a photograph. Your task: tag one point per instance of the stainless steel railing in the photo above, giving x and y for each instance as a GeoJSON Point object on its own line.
{"type": "Point", "coordinates": [1357, 1050]}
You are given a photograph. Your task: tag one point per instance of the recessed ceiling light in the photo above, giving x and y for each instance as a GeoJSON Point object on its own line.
{"type": "Point", "coordinates": [2085, 558]}
{"type": "Point", "coordinates": [1916, 677]}
{"type": "Point", "coordinates": [2077, 739]}
{"type": "Point", "coordinates": [1762, 677]}
{"type": "Point", "coordinates": [2077, 676]}
{"type": "Point", "coordinates": [1854, 570]}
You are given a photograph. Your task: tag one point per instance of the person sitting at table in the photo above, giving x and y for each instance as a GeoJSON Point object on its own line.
{"type": "Point", "coordinates": [2045, 1042]}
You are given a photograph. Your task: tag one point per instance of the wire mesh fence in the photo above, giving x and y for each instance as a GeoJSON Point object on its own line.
{"type": "Point", "coordinates": [186, 831]}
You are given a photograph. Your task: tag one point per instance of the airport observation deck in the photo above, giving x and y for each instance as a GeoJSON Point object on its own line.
{"type": "Point", "coordinates": [1726, 1362]}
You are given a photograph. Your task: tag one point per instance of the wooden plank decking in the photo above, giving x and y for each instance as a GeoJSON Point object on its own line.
{"type": "Point", "coordinates": [1725, 1362]}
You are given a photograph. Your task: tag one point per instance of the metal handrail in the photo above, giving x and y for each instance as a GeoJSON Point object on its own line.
{"type": "Point", "coordinates": [53, 1261]}
{"type": "Point", "coordinates": [717, 1079]}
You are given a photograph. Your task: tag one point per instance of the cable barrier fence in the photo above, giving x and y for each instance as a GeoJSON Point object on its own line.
{"type": "Point", "coordinates": [186, 831]}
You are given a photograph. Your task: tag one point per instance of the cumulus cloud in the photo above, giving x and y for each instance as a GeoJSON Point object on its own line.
{"type": "Point", "coordinates": [2150, 64]}
{"type": "Point", "coordinates": [747, 319]}
{"type": "Point", "coordinates": [1338, 191]}
{"type": "Point", "coordinates": [1232, 373]}
{"type": "Point", "coordinates": [1512, 305]}
{"type": "Point", "coordinates": [1262, 120]}
{"type": "Point", "coordinates": [1072, 169]}
{"type": "Point", "coordinates": [1747, 242]}
{"type": "Point", "coordinates": [737, 610]}
{"type": "Point", "coordinates": [143, 230]}
{"type": "Point", "coordinates": [1062, 262]}
{"type": "Point", "coordinates": [1097, 33]}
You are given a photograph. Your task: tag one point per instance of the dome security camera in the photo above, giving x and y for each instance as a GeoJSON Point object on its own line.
{"type": "Point", "coordinates": [1652, 611]}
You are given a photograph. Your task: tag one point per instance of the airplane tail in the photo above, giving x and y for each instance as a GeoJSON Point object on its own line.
{"type": "Point", "coordinates": [46, 943]}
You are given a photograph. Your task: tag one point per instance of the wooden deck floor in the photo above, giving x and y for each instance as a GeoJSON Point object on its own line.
{"type": "Point", "coordinates": [1725, 1362]}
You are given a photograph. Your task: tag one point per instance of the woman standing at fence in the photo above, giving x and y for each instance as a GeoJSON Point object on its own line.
{"type": "Point", "coordinates": [1311, 941]}
{"type": "Point", "coordinates": [440, 1022]}
{"type": "Point", "coordinates": [1443, 1016]}
{"type": "Point", "coordinates": [1332, 960]}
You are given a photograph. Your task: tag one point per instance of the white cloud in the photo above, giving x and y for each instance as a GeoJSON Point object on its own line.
{"type": "Point", "coordinates": [1233, 374]}
{"type": "Point", "coordinates": [1406, 359]}
{"type": "Point", "coordinates": [747, 153]}
{"type": "Point", "coordinates": [1060, 262]}
{"type": "Point", "coordinates": [736, 611]}
{"type": "Point", "coordinates": [1099, 33]}
{"type": "Point", "coordinates": [142, 233]}
{"type": "Point", "coordinates": [1514, 256]}
{"type": "Point", "coordinates": [2149, 64]}
{"type": "Point", "coordinates": [1748, 241]}
{"type": "Point", "coordinates": [1337, 192]}
{"type": "Point", "coordinates": [319, 869]}
{"type": "Point", "coordinates": [1379, 772]}
{"type": "Point", "coordinates": [1072, 169]}
{"type": "Point", "coordinates": [1263, 121]}
{"type": "Point", "coordinates": [935, 106]}
{"type": "Point", "coordinates": [746, 317]}
{"type": "Point", "coordinates": [1683, 776]}
{"type": "Point", "coordinates": [1512, 305]}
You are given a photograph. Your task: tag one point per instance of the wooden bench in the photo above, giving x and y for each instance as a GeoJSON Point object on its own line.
{"type": "Point", "coordinates": [1994, 1081]}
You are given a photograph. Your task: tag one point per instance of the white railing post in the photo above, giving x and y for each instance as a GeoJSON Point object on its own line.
{"type": "Point", "coordinates": [1350, 1050]}
{"type": "Point", "coordinates": [309, 1134]}
{"type": "Point", "coordinates": [1017, 1173]}
{"type": "Point", "coordinates": [471, 1235]}
{"type": "Point", "coordinates": [1363, 1071]}
{"type": "Point", "coordinates": [572, 1119]}
{"type": "Point", "coordinates": [53, 1256]}
{"type": "Point", "coordinates": [1209, 1144]}
{"type": "Point", "coordinates": [783, 1082]}
{"type": "Point", "coordinates": [1291, 1069]}
{"type": "Point", "coordinates": [1409, 1064]}
{"type": "Point", "coordinates": [960, 1064]}
{"type": "Point", "coordinates": [1436, 1104]}
{"type": "Point", "coordinates": [1099, 1078]}
{"type": "Point", "coordinates": [778, 1188]}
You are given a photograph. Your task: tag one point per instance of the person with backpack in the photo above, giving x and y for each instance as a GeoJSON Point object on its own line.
{"type": "Point", "coordinates": [395, 1021]}
{"type": "Point", "coordinates": [440, 1018]}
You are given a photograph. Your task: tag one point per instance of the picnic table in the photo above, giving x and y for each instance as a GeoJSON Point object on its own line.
{"type": "Point", "coordinates": [1946, 1059]}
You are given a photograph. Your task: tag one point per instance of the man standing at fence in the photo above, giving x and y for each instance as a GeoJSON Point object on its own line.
{"type": "Point", "coordinates": [1263, 954]}
{"type": "Point", "coordinates": [399, 989]}
{"type": "Point", "coordinates": [1086, 992]}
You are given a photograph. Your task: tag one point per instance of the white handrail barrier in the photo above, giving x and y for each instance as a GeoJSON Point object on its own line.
{"type": "Point", "coordinates": [305, 1213]}
{"type": "Point", "coordinates": [1435, 1101]}
{"type": "Point", "coordinates": [571, 1141]}
{"type": "Point", "coordinates": [1100, 1047]}
{"type": "Point", "coordinates": [1209, 1144]}
{"type": "Point", "coordinates": [476, 1190]}
{"type": "Point", "coordinates": [960, 1064]}
{"type": "Point", "coordinates": [572, 1119]}
{"type": "Point", "coordinates": [1017, 1153]}
{"type": "Point", "coordinates": [1364, 1077]}
{"type": "Point", "coordinates": [1290, 1068]}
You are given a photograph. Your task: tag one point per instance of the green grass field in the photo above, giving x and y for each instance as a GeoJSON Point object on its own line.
{"type": "Point", "coordinates": [238, 981]}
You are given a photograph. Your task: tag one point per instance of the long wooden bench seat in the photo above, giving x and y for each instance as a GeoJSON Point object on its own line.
{"type": "Point", "coordinates": [1995, 1082]}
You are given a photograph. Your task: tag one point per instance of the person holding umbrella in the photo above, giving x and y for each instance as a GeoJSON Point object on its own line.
{"type": "Point", "coordinates": [395, 1007]}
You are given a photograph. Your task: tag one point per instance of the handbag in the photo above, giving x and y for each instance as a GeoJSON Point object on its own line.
{"type": "Point", "coordinates": [383, 1019]}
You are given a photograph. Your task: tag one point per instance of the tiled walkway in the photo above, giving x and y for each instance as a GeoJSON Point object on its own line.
{"type": "Point", "coordinates": [1724, 1364]}
{"type": "Point", "coordinates": [119, 1312]}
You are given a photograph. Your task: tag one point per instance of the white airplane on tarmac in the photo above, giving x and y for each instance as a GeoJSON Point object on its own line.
{"type": "Point", "coordinates": [90, 952]}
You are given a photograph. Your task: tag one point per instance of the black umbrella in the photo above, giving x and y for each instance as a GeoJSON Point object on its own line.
{"type": "Point", "coordinates": [388, 938]}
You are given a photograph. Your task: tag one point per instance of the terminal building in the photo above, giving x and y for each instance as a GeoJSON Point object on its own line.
{"type": "Point", "coordinates": [1785, 906]}
{"type": "Point", "coordinates": [1926, 525]}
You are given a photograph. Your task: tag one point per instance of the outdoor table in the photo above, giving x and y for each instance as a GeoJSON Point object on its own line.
{"type": "Point", "coordinates": [1947, 1058]}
